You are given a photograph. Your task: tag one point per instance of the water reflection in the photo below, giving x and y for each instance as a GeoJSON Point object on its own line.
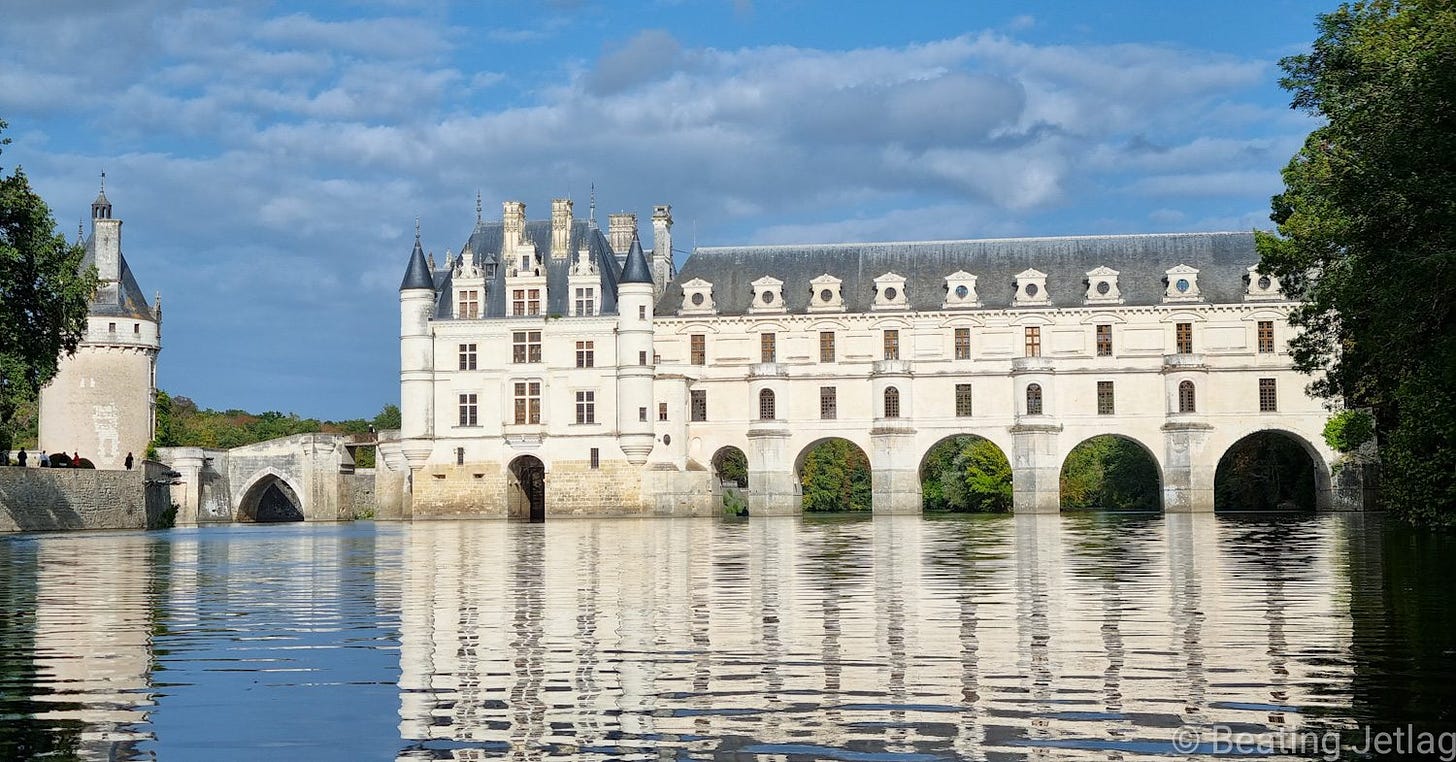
{"type": "Point", "coordinates": [1084, 637]}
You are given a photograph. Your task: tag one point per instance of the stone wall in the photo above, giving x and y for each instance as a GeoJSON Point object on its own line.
{"type": "Point", "coordinates": [356, 494]}
{"type": "Point", "coordinates": [50, 499]}
{"type": "Point", "coordinates": [573, 488]}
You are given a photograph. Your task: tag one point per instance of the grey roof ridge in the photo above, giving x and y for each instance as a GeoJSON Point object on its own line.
{"type": "Point", "coordinates": [943, 241]}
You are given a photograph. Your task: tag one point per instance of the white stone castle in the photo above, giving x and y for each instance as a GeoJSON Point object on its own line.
{"type": "Point", "coordinates": [551, 369]}
{"type": "Point", "coordinates": [101, 404]}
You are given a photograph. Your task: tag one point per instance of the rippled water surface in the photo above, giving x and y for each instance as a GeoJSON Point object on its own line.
{"type": "Point", "coordinates": [1077, 637]}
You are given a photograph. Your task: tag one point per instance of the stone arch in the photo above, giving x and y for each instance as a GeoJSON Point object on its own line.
{"type": "Point", "coordinates": [1155, 495]}
{"type": "Point", "coordinates": [1307, 490]}
{"type": "Point", "coordinates": [725, 465]}
{"type": "Point", "coordinates": [855, 485]}
{"type": "Point", "coordinates": [270, 496]}
{"type": "Point", "coordinates": [526, 489]}
{"type": "Point", "coordinates": [929, 497]}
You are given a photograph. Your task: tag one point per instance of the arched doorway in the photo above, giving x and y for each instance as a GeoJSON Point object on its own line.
{"type": "Point", "coordinates": [270, 500]}
{"type": "Point", "coordinates": [1267, 471]}
{"type": "Point", "coordinates": [1110, 472]}
{"type": "Point", "coordinates": [834, 477]}
{"type": "Point", "coordinates": [966, 474]}
{"type": "Point", "coordinates": [730, 479]}
{"type": "Point", "coordinates": [526, 491]}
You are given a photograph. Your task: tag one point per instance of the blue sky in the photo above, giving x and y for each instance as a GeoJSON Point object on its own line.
{"type": "Point", "coordinates": [269, 158]}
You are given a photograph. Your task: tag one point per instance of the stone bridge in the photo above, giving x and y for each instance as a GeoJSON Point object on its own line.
{"type": "Point", "coordinates": [305, 477]}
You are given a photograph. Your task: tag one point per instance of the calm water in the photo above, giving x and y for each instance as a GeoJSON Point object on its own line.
{"type": "Point", "coordinates": [1079, 637]}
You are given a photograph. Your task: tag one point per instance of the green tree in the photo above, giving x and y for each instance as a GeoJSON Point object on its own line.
{"type": "Point", "coordinates": [1110, 473]}
{"type": "Point", "coordinates": [966, 474]}
{"type": "Point", "coordinates": [388, 418]}
{"type": "Point", "coordinates": [836, 477]}
{"type": "Point", "coordinates": [1367, 227]}
{"type": "Point", "coordinates": [44, 296]}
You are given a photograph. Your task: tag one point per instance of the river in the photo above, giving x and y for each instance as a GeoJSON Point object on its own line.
{"type": "Point", "coordinates": [906, 638]}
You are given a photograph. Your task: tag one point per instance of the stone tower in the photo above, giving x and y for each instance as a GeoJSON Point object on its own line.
{"type": "Point", "coordinates": [635, 361]}
{"type": "Point", "coordinates": [416, 357]}
{"type": "Point", "coordinates": [102, 402]}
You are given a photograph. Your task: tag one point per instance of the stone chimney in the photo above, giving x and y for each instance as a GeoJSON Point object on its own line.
{"type": "Point", "coordinates": [663, 270]}
{"type": "Point", "coordinates": [620, 228]}
{"type": "Point", "coordinates": [560, 228]}
{"type": "Point", "coordinates": [513, 217]}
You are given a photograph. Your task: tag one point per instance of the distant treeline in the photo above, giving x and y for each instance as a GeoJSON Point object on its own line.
{"type": "Point", "coordinates": [180, 423]}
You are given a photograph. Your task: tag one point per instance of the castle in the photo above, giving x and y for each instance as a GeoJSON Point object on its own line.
{"type": "Point", "coordinates": [553, 369]}
{"type": "Point", "coordinates": [101, 402]}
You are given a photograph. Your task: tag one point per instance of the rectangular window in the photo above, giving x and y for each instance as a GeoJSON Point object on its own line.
{"type": "Point", "coordinates": [698, 404]}
{"type": "Point", "coordinates": [111, 327]}
{"type": "Point", "coordinates": [892, 344]}
{"type": "Point", "coordinates": [459, 456]}
{"type": "Point", "coordinates": [1266, 336]}
{"type": "Point", "coordinates": [518, 301]}
{"type": "Point", "coordinates": [641, 358]}
{"type": "Point", "coordinates": [586, 407]}
{"type": "Point", "coordinates": [662, 411]}
{"type": "Point", "coordinates": [963, 400]}
{"type": "Point", "coordinates": [1268, 396]}
{"type": "Point", "coordinates": [962, 343]}
{"type": "Point", "coordinates": [136, 328]}
{"type": "Point", "coordinates": [469, 303]}
{"type": "Point", "coordinates": [467, 357]}
{"type": "Point", "coordinates": [533, 301]}
{"type": "Point", "coordinates": [641, 413]}
{"type": "Point", "coordinates": [1104, 341]}
{"type": "Point", "coordinates": [767, 347]}
{"type": "Point", "coordinates": [826, 346]}
{"type": "Point", "coordinates": [698, 349]}
{"type": "Point", "coordinates": [525, 346]}
{"type": "Point", "coordinates": [528, 402]}
{"type": "Point", "coordinates": [828, 403]}
{"type": "Point", "coordinates": [1184, 334]}
{"type": "Point", "coordinates": [467, 410]}
{"type": "Point", "coordinates": [1104, 398]}
{"type": "Point", "coordinates": [586, 301]}
{"type": "Point", "coordinates": [1033, 341]}
{"type": "Point", "coordinates": [586, 355]}
{"type": "Point", "coordinates": [596, 458]}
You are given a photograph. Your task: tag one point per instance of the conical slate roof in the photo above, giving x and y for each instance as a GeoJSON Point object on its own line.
{"type": "Point", "coordinates": [418, 273]}
{"type": "Point", "coordinates": [636, 269]}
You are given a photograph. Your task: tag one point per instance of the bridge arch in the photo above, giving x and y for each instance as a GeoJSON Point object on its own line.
{"type": "Point", "coordinates": [1138, 487]}
{"type": "Point", "coordinates": [270, 496]}
{"type": "Point", "coordinates": [995, 490]}
{"type": "Point", "coordinates": [526, 489]}
{"type": "Point", "coordinates": [1263, 470]}
{"type": "Point", "coordinates": [851, 490]}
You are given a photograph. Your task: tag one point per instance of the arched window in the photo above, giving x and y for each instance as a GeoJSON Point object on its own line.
{"type": "Point", "coordinates": [1186, 401]}
{"type": "Point", "coordinates": [766, 405]}
{"type": "Point", "coordinates": [1033, 399]}
{"type": "Point", "coordinates": [892, 403]}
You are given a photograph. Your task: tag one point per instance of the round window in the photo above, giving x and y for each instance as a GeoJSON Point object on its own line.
{"type": "Point", "coordinates": [1031, 289]}
{"type": "Point", "coordinates": [826, 295]}
{"type": "Point", "coordinates": [1103, 287]}
{"type": "Point", "coordinates": [890, 294]}
{"type": "Point", "coordinates": [962, 291]}
{"type": "Point", "coordinates": [1181, 285]}
{"type": "Point", "coordinates": [1265, 283]}
{"type": "Point", "coordinates": [768, 297]}
{"type": "Point", "coordinates": [667, 439]}
{"type": "Point", "coordinates": [698, 299]}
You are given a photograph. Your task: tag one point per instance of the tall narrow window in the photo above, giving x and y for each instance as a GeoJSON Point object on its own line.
{"type": "Point", "coordinates": [1266, 336]}
{"type": "Point", "coordinates": [642, 414]}
{"type": "Point", "coordinates": [586, 354]}
{"type": "Point", "coordinates": [826, 346]}
{"type": "Point", "coordinates": [136, 329]}
{"type": "Point", "coordinates": [586, 407]}
{"type": "Point", "coordinates": [1184, 334]}
{"type": "Point", "coordinates": [1104, 398]}
{"type": "Point", "coordinates": [1033, 341]}
{"type": "Point", "coordinates": [467, 357]}
{"type": "Point", "coordinates": [828, 403]}
{"type": "Point", "coordinates": [1187, 401]}
{"type": "Point", "coordinates": [469, 303]}
{"type": "Point", "coordinates": [1268, 396]}
{"type": "Point", "coordinates": [698, 405]}
{"type": "Point", "coordinates": [586, 301]}
{"type": "Point", "coordinates": [963, 400]}
{"type": "Point", "coordinates": [525, 346]}
{"type": "Point", "coordinates": [528, 402]}
{"type": "Point", "coordinates": [892, 403]}
{"type": "Point", "coordinates": [1104, 341]}
{"type": "Point", "coordinates": [459, 456]}
{"type": "Point", "coordinates": [1033, 399]}
{"type": "Point", "coordinates": [518, 301]}
{"type": "Point", "coordinates": [698, 349]}
{"type": "Point", "coordinates": [533, 301]}
{"type": "Point", "coordinates": [641, 312]}
{"type": "Point", "coordinates": [892, 344]}
{"type": "Point", "coordinates": [662, 411]}
{"type": "Point", "coordinates": [467, 410]}
{"type": "Point", "coordinates": [642, 358]}
{"type": "Point", "coordinates": [962, 343]}
{"type": "Point", "coordinates": [596, 458]}
{"type": "Point", "coordinates": [766, 405]}
{"type": "Point", "coordinates": [767, 347]}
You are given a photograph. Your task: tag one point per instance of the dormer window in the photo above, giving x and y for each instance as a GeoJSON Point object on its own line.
{"type": "Point", "coordinates": [890, 292]}
{"type": "Point", "coordinates": [768, 295]}
{"type": "Point", "coordinates": [1102, 287]}
{"type": "Point", "coordinates": [960, 291]}
{"type": "Point", "coordinates": [1031, 290]}
{"type": "Point", "coordinates": [1258, 286]}
{"type": "Point", "coordinates": [1182, 285]}
{"type": "Point", "coordinates": [825, 294]}
{"type": "Point", "coordinates": [697, 298]}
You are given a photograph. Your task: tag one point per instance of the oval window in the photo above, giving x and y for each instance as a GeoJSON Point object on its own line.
{"type": "Point", "coordinates": [826, 295]}
{"type": "Point", "coordinates": [698, 299]}
{"type": "Point", "coordinates": [890, 294]}
{"type": "Point", "coordinates": [962, 291]}
{"type": "Point", "coordinates": [667, 439]}
{"type": "Point", "coordinates": [1181, 285]}
{"type": "Point", "coordinates": [768, 297]}
{"type": "Point", "coordinates": [1103, 287]}
{"type": "Point", "coordinates": [1031, 289]}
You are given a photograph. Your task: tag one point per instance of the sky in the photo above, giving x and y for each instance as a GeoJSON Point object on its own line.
{"type": "Point", "coordinates": [269, 159]}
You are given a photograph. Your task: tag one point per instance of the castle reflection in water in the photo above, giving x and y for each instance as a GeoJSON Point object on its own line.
{"type": "Point", "coordinates": [611, 638]}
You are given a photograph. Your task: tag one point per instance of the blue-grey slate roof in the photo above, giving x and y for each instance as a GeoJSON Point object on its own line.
{"type": "Point", "coordinates": [636, 269]}
{"type": "Point", "coordinates": [1142, 261]}
{"type": "Point", "coordinates": [128, 301]}
{"type": "Point", "coordinates": [417, 274]}
{"type": "Point", "coordinates": [484, 246]}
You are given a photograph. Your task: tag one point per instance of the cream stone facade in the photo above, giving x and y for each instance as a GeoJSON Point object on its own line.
{"type": "Point", "coordinates": [101, 403]}
{"type": "Point", "coordinates": [1175, 342]}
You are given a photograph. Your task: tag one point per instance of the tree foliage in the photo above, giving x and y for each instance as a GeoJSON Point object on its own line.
{"type": "Point", "coordinates": [836, 477]}
{"type": "Point", "coordinates": [180, 423]}
{"type": "Point", "coordinates": [1346, 430]}
{"type": "Point", "coordinates": [1367, 226]}
{"type": "Point", "coordinates": [731, 466]}
{"type": "Point", "coordinates": [44, 296]}
{"type": "Point", "coordinates": [1266, 471]}
{"type": "Point", "coordinates": [1110, 473]}
{"type": "Point", "coordinates": [966, 474]}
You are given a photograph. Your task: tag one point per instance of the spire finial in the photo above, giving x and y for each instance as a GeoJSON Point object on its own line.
{"type": "Point", "coordinates": [417, 227]}
{"type": "Point", "coordinates": [592, 214]}
{"type": "Point", "coordinates": [80, 230]}
{"type": "Point", "coordinates": [103, 181]}
{"type": "Point", "coordinates": [478, 207]}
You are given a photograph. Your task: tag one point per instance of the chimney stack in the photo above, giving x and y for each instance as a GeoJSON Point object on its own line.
{"type": "Point", "coordinates": [620, 228]}
{"type": "Point", "coordinates": [663, 270]}
{"type": "Point", "coordinates": [560, 228]}
{"type": "Point", "coordinates": [514, 219]}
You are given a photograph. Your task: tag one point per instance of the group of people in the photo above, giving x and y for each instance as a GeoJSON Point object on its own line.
{"type": "Point", "coordinates": [58, 460]}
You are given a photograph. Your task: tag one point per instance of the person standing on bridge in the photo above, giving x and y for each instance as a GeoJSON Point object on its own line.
{"type": "Point", "coordinates": [45, 460]}
{"type": "Point", "coordinates": [128, 461]}
{"type": "Point", "coordinates": [21, 458]}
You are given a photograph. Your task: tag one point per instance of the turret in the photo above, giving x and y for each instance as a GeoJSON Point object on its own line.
{"type": "Point", "coordinates": [634, 356]}
{"type": "Point", "coordinates": [416, 357]}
